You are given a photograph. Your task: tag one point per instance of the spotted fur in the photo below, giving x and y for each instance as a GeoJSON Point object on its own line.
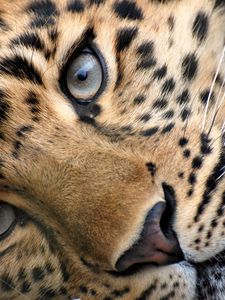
{"type": "Point", "coordinates": [84, 180]}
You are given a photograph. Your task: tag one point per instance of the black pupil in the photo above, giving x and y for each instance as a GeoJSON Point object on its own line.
{"type": "Point", "coordinates": [82, 75]}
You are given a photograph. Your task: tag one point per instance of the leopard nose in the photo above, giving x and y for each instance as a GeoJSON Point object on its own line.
{"type": "Point", "coordinates": [157, 244]}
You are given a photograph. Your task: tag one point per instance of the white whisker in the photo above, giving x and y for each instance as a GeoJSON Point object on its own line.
{"type": "Point", "coordinates": [221, 176]}
{"type": "Point", "coordinates": [211, 89]}
{"type": "Point", "coordinates": [218, 101]}
{"type": "Point", "coordinates": [218, 105]}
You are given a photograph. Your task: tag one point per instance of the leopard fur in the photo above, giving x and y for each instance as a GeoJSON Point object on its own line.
{"type": "Point", "coordinates": [79, 176]}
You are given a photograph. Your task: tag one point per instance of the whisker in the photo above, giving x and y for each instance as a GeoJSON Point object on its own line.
{"type": "Point", "coordinates": [211, 89]}
{"type": "Point", "coordinates": [221, 175]}
{"type": "Point", "coordinates": [217, 108]}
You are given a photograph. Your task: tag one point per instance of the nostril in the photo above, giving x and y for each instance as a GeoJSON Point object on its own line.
{"type": "Point", "coordinates": [157, 245]}
{"type": "Point", "coordinates": [166, 222]}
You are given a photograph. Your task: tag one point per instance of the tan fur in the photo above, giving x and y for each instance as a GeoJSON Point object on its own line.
{"type": "Point", "coordinates": [94, 192]}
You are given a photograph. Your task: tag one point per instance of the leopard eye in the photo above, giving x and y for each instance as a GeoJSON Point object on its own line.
{"type": "Point", "coordinates": [7, 219]}
{"type": "Point", "coordinates": [84, 76]}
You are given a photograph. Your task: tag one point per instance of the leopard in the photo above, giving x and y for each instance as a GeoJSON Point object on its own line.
{"type": "Point", "coordinates": [112, 149]}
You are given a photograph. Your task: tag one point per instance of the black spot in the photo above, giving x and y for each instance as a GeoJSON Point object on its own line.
{"type": "Point", "coordinates": [205, 144]}
{"type": "Point", "coordinates": [20, 68]}
{"type": "Point", "coordinates": [189, 66]}
{"type": "Point", "coordinates": [16, 145]}
{"type": "Point", "coordinates": [168, 128]}
{"type": "Point", "coordinates": [200, 26]}
{"type": "Point", "coordinates": [148, 292]}
{"type": "Point", "coordinates": [75, 6]}
{"type": "Point", "coordinates": [23, 130]}
{"type": "Point", "coordinates": [209, 234]}
{"type": "Point", "coordinates": [160, 73]}
{"type": "Point", "coordinates": [201, 227]}
{"type": "Point", "coordinates": [146, 63]}
{"type": "Point", "coordinates": [151, 168]}
{"type": "Point", "coordinates": [181, 175]}
{"type": "Point", "coordinates": [38, 274]}
{"type": "Point", "coordinates": [139, 99]}
{"type": "Point", "coordinates": [145, 118]}
{"type": "Point", "coordinates": [93, 292]}
{"type": "Point", "coordinates": [120, 293]}
{"type": "Point", "coordinates": [168, 86]}
{"type": "Point", "coordinates": [192, 178]}
{"type": "Point", "coordinates": [168, 115]}
{"type": "Point", "coordinates": [63, 291]}
{"type": "Point", "coordinates": [45, 12]}
{"type": "Point", "coordinates": [22, 274]}
{"type": "Point", "coordinates": [64, 272]}
{"type": "Point", "coordinates": [219, 79]}
{"type": "Point", "coordinates": [40, 22]}
{"type": "Point", "coordinates": [185, 113]}
{"type": "Point", "coordinates": [49, 268]}
{"type": "Point", "coordinates": [145, 52]}
{"type": "Point", "coordinates": [145, 49]}
{"type": "Point", "coordinates": [183, 98]}
{"type": "Point", "coordinates": [26, 287]}
{"type": "Point", "coordinates": [183, 142]}
{"type": "Point", "coordinates": [35, 110]}
{"type": "Point", "coordinates": [214, 223]}
{"type": "Point", "coordinates": [197, 162]}
{"type": "Point", "coordinates": [168, 296]}
{"type": "Point", "coordinates": [53, 34]}
{"type": "Point", "coordinates": [32, 99]}
{"type": "Point", "coordinates": [150, 131]}
{"type": "Point", "coordinates": [176, 284]}
{"type": "Point", "coordinates": [204, 96]}
{"type": "Point", "coordinates": [29, 40]}
{"type": "Point", "coordinates": [119, 76]}
{"type": "Point", "coordinates": [164, 286]}
{"type": "Point", "coordinates": [44, 8]}
{"type": "Point", "coordinates": [124, 37]}
{"type": "Point", "coordinates": [83, 289]}
{"type": "Point", "coordinates": [128, 10]}
{"type": "Point", "coordinates": [187, 153]}
{"type": "Point", "coordinates": [160, 104]}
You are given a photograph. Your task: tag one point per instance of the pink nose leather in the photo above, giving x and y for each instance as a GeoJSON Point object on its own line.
{"type": "Point", "coordinates": [153, 246]}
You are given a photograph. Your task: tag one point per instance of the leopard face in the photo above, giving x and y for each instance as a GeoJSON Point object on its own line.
{"type": "Point", "coordinates": [112, 155]}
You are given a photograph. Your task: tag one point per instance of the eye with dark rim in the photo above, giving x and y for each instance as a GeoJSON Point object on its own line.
{"type": "Point", "coordinates": [8, 220]}
{"type": "Point", "coordinates": [84, 77]}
